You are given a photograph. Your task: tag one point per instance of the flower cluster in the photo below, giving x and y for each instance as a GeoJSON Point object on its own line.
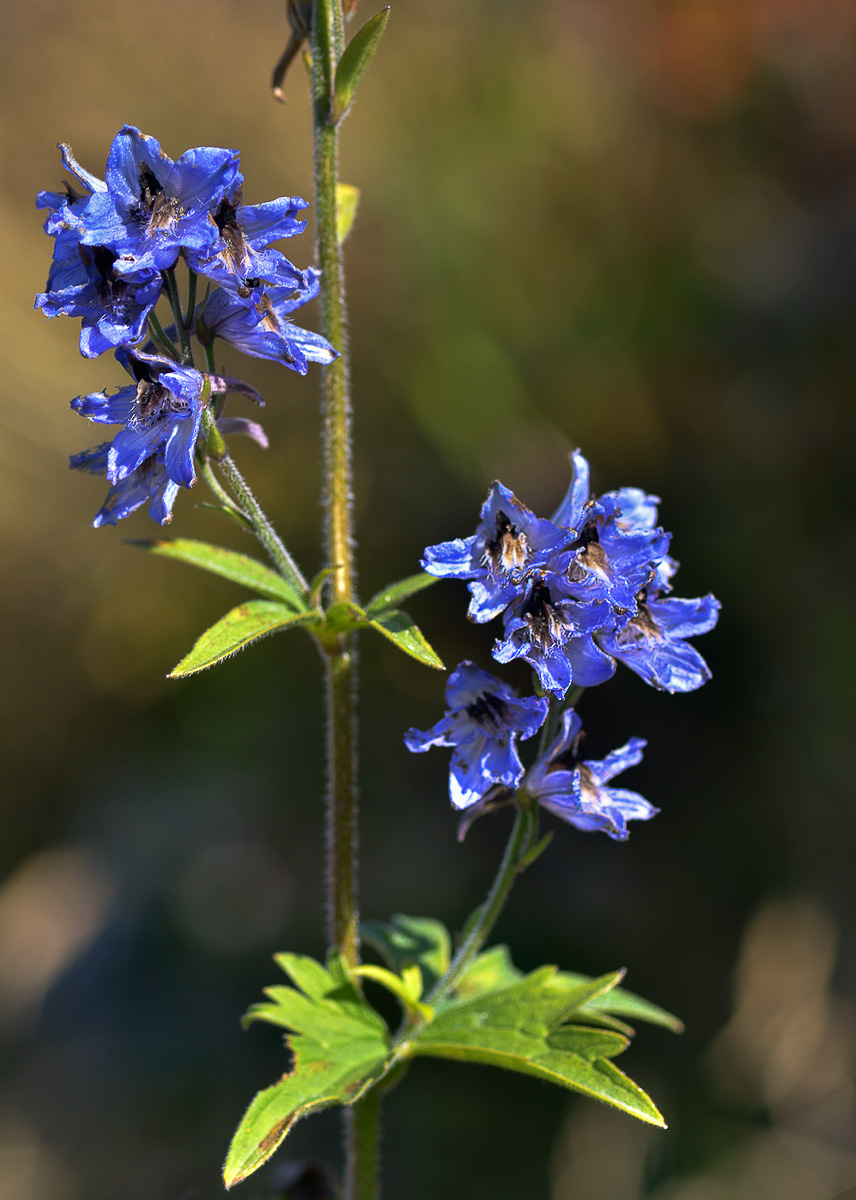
{"type": "Point", "coordinates": [577, 593]}
{"type": "Point", "coordinates": [116, 244]}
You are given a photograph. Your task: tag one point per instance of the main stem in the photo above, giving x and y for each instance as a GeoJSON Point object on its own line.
{"type": "Point", "coordinates": [328, 43]}
{"type": "Point", "coordinates": [327, 47]}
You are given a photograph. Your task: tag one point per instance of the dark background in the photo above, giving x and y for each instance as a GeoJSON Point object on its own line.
{"type": "Point", "coordinates": [628, 226]}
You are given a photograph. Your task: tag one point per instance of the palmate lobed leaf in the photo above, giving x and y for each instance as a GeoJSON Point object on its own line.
{"type": "Point", "coordinates": [521, 1027]}
{"type": "Point", "coordinates": [493, 968]}
{"type": "Point", "coordinates": [228, 564]}
{"type": "Point", "coordinates": [244, 624]}
{"type": "Point", "coordinates": [621, 1003]}
{"type": "Point", "coordinates": [339, 1044]}
{"type": "Point", "coordinates": [497, 1016]}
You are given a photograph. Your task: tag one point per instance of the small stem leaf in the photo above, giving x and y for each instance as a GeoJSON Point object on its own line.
{"type": "Point", "coordinates": [399, 987]}
{"type": "Point", "coordinates": [621, 1003]}
{"type": "Point", "coordinates": [404, 633]}
{"type": "Point", "coordinates": [339, 1045]}
{"type": "Point", "coordinates": [355, 62]}
{"type": "Point", "coordinates": [412, 979]}
{"type": "Point", "coordinates": [418, 941]}
{"type": "Point", "coordinates": [347, 203]}
{"type": "Point", "coordinates": [521, 1027]}
{"type": "Point", "coordinates": [316, 587]}
{"type": "Point", "coordinates": [392, 596]}
{"type": "Point", "coordinates": [227, 563]}
{"type": "Point", "coordinates": [244, 624]}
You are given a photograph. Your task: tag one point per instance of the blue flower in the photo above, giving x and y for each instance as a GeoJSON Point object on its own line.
{"type": "Point", "coordinates": [241, 257]}
{"type": "Point", "coordinates": [161, 411]}
{"type": "Point", "coordinates": [83, 283]}
{"type": "Point", "coordinates": [652, 642]}
{"type": "Point", "coordinates": [484, 721]}
{"type": "Point", "coordinates": [576, 790]}
{"type": "Point", "coordinates": [616, 548]}
{"type": "Point", "coordinates": [262, 328]}
{"type": "Point", "coordinates": [554, 633]}
{"type": "Point", "coordinates": [509, 544]}
{"type": "Point", "coordinates": [153, 207]}
{"type": "Point", "coordinates": [149, 482]}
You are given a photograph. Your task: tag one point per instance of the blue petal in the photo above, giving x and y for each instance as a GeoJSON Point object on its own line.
{"type": "Point", "coordinates": [569, 514]}
{"type": "Point", "coordinates": [628, 755]}
{"type": "Point", "coordinates": [104, 409]}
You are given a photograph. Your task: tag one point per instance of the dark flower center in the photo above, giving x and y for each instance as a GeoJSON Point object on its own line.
{"type": "Point", "coordinates": [589, 789]}
{"type": "Point", "coordinates": [153, 403]}
{"type": "Point", "coordinates": [589, 554]}
{"type": "Point", "coordinates": [271, 323]}
{"type": "Point", "coordinates": [547, 626]}
{"type": "Point", "coordinates": [642, 628]}
{"type": "Point", "coordinates": [490, 712]}
{"type": "Point", "coordinates": [158, 210]}
{"type": "Point", "coordinates": [509, 548]}
{"type": "Point", "coordinates": [235, 256]}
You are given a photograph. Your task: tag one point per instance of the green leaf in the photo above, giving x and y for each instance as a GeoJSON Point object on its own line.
{"type": "Point", "coordinates": [355, 62]}
{"type": "Point", "coordinates": [244, 624]}
{"type": "Point", "coordinates": [392, 596]}
{"type": "Point", "coordinates": [228, 564]}
{"type": "Point", "coordinates": [404, 633]}
{"type": "Point", "coordinates": [521, 1027]}
{"type": "Point", "coordinates": [622, 1003]}
{"type": "Point", "coordinates": [421, 941]}
{"type": "Point", "coordinates": [488, 971]}
{"type": "Point", "coordinates": [347, 203]}
{"type": "Point", "coordinates": [339, 1046]}
{"type": "Point", "coordinates": [408, 986]}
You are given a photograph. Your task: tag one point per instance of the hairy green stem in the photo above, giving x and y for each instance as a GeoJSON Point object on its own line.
{"type": "Point", "coordinates": [159, 335]}
{"type": "Point", "coordinates": [178, 317]}
{"type": "Point", "coordinates": [517, 845]}
{"type": "Point", "coordinates": [191, 299]}
{"type": "Point", "coordinates": [328, 42]}
{"type": "Point", "coordinates": [327, 46]}
{"type": "Point", "coordinates": [362, 1136]}
{"type": "Point", "coordinates": [264, 531]}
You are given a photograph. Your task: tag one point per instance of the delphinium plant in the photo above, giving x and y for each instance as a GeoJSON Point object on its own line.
{"type": "Point", "coordinates": [577, 594]}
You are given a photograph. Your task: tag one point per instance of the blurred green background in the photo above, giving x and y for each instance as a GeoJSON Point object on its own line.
{"type": "Point", "coordinates": [628, 226]}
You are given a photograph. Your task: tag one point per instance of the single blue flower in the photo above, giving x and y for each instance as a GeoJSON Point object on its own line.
{"type": "Point", "coordinates": [576, 790]}
{"type": "Point", "coordinates": [241, 257]}
{"type": "Point", "coordinates": [162, 410]}
{"type": "Point", "coordinates": [652, 642]}
{"type": "Point", "coordinates": [261, 327]}
{"type": "Point", "coordinates": [484, 721]}
{"type": "Point", "coordinates": [554, 633]}
{"type": "Point", "coordinates": [153, 207]}
{"type": "Point", "coordinates": [616, 548]}
{"type": "Point", "coordinates": [114, 308]}
{"type": "Point", "coordinates": [509, 544]}
{"type": "Point", "coordinates": [149, 482]}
